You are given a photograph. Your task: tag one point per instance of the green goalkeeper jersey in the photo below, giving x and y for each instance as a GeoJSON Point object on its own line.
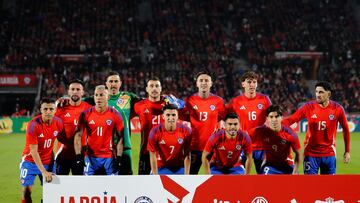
{"type": "Point", "coordinates": [124, 103]}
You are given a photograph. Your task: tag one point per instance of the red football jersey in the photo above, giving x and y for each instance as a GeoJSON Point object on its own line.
{"type": "Point", "coordinates": [38, 133]}
{"type": "Point", "coordinates": [70, 116]}
{"type": "Point", "coordinates": [251, 112]}
{"type": "Point", "coordinates": [100, 128]}
{"type": "Point", "coordinates": [170, 146]}
{"type": "Point", "coordinates": [277, 145]}
{"type": "Point", "coordinates": [322, 126]}
{"type": "Point", "coordinates": [150, 115]}
{"type": "Point", "coordinates": [204, 115]}
{"type": "Point", "coordinates": [226, 151]}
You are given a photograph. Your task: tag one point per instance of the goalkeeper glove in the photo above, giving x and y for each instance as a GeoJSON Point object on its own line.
{"type": "Point", "coordinates": [171, 99]}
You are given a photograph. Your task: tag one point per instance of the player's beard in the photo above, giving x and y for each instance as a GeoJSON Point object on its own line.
{"type": "Point", "coordinates": [232, 132]}
{"type": "Point", "coordinates": [75, 98]}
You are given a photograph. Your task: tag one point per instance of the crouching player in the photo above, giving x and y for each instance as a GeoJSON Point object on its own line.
{"type": "Point", "coordinates": [169, 145]}
{"type": "Point", "coordinates": [222, 153]}
{"type": "Point", "coordinates": [38, 157]}
{"type": "Point", "coordinates": [278, 142]}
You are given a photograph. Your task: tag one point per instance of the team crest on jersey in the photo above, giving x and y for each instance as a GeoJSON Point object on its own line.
{"type": "Point", "coordinates": [238, 147]}
{"type": "Point", "coordinates": [212, 107]}
{"type": "Point", "coordinates": [331, 117]}
{"type": "Point", "coordinates": [283, 141]}
{"type": "Point", "coordinates": [108, 122]}
{"type": "Point", "coordinates": [120, 101]}
{"type": "Point", "coordinates": [56, 133]}
{"type": "Point", "coordinates": [180, 140]}
{"type": "Point", "coordinates": [260, 106]}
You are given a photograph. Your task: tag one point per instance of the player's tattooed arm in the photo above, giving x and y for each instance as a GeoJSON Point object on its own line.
{"type": "Point", "coordinates": [297, 160]}
{"type": "Point", "coordinates": [35, 155]}
{"type": "Point", "coordinates": [153, 163]}
{"type": "Point", "coordinates": [206, 157]}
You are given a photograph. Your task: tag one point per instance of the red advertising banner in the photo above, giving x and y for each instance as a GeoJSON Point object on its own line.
{"type": "Point", "coordinates": [283, 188]}
{"type": "Point", "coordinates": [204, 188]}
{"type": "Point", "coordinates": [20, 80]}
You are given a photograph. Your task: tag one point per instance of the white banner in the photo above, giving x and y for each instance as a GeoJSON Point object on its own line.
{"type": "Point", "coordinates": [122, 189]}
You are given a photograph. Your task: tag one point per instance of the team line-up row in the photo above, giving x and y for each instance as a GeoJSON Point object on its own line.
{"type": "Point", "coordinates": [94, 133]}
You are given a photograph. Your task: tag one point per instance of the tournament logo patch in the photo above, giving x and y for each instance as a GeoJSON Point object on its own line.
{"type": "Point", "coordinates": [180, 140]}
{"type": "Point", "coordinates": [260, 106]}
{"type": "Point", "coordinates": [212, 107]}
{"type": "Point", "coordinates": [331, 116]}
{"type": "Point", "coordinates": [108, 122]}
{"type": "Point", "coordinates": [238, 147]}
{"type": "Point", "coordinates": [56, 133]}
{"type": "Point", "coordinates": [143, 199]}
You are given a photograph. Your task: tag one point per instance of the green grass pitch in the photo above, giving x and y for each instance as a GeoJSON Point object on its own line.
{"type": "Point", "coordinates": [12, 146]}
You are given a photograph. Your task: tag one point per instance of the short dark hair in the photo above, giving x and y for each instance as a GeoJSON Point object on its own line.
{"type": "Point", "coordinates": [113, 73]}
{"type": "Point", "coordinates": [325, 85]}
{"type": "Point", "coordinates": [76, 81]}
{"type": "Point", "coordinates": [47, 100]}
{"type": "Point", "coordinates": [154, 78]}
{"type": "Point", "coordinates": [274, 108]}
{"type": "Point", "coordinates": [203, 72]}
{"type": "Point", "coordinates": [249, 75]}
{"type": "Point", "coordinates": [231, 115]}
{"type": "Point", "coordinates": [169, 107]}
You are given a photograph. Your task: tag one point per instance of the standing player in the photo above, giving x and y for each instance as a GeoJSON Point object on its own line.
{"type": "Point", "coordinates": [277, 141]}
{"type": "Point", "coordinates": [250, 107]}
{"type": "Point", "coordinates": [323, 116]}
{"type": "Point", "coordinates": [203, 110]}
{"type": "Point", "coordinates": [37, 157]}
{"type": "Point", "coordinates": [124, 103]}
{"type": "Point", "coordinates": [223, 149]}
{"type": "Point", "coordinates": [65, 155]}
{"type": "Point", "coordinates": [169, 145]}
{"type": "Point", "coordinates": [149, 111]}
{"type": "Point", "coordinates": [100, 122]}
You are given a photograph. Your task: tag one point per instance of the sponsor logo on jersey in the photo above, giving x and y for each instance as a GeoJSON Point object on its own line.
{"type": "Point", "coordinates": [222, 148]}
{"type": "Point", "coordinates": [143, 199]}
{"type": "Point", "coordinates": [331, 117]}
{"type": "Point", "coordinates": [108, 122]}
{"type": "Point", "coordinates": [195, 107]}
{"type": "Point", "coordinates": [146, 111]}
{"type": "Point", "coordinates": [260, 106]}
{"type": "Point", "coordinates": [212, 107]}
{"type": "Point", "coordinates": [92, 122]}
{"type": "Point", "coordinates": [67, 115]}
{"type": "Point", "coordinates": [41, 135]}
{"type": "Point", "coordinates": [180, 140]}
{"type": "Point", "coordinates": [242, 107]}
{"type": "Point", "coordinates": [238, 147]}
{"type": "Point", "coordinates": [314, 116]}
{"type": "Point", "coordinates": [56, 133]}
{"type": "Point", "coordinates": [162, 142]}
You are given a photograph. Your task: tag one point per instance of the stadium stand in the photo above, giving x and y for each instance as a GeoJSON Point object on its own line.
{"type": "Point", "coordinates": [175, 39]}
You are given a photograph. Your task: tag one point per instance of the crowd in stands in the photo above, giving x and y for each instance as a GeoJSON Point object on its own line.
{"type": "Point", "coordinates": [175, 39]}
